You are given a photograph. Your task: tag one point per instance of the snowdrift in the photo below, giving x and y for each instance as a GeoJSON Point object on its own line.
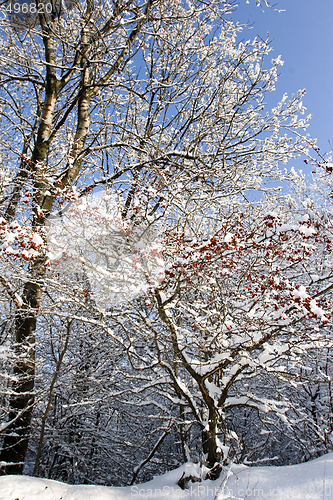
{"type": "Point", "coordinates": [308, 481]}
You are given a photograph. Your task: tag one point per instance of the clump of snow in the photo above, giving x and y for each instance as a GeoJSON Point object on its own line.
{"type": "Point", "coordinates": [228, 237]}
{"type": "Point", "coordinates": [37, 239]}
{"type": "Point", "coordinates": [318, 311]}
{"type": "Point", "coordinates": [308, 481]}
{"type": "Point", "coordinates": [301, 292]}
{"type": "Point", "coordinates": [307, 231]}
{"type": "Point", "coordinates": [120, 259]}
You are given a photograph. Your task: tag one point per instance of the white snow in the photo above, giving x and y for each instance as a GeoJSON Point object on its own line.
{"type": "Point", "coordinates": [311, 480]}
{"type": "Point", "coordinates": [316, 309]}
{"type": "Point", "coordinates": [37, 239]}
{"type": "Point", "coordinates": [307, 231]}
{"type": "Point", "coordinates": [228, 237]}
{"type": "Point", "coordinates": [286, 227]}
{"type": "Point", "coordinates": [301, 292]}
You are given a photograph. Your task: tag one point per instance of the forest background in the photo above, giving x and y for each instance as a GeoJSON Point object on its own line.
{"type": "Point", "coordinates": [163, 299]}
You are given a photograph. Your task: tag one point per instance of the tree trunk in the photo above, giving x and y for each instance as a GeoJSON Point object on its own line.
{"type": "Point", "coordinates": [16, 440]}
{"type": "Point", "coordinates": [210, 448]}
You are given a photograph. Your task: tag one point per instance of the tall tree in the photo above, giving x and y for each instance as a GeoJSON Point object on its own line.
{"type": "Point", "coordinates": [242, 302]}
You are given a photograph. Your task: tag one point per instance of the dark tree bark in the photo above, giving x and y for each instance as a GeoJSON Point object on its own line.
{"type": "Point", "coordinates": [210, 448]}
{"type": "Point", "coordinates": [16, 440]}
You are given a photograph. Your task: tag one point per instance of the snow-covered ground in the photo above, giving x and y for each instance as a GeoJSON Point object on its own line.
{"type": "Point", "coordinates": [307, 481]}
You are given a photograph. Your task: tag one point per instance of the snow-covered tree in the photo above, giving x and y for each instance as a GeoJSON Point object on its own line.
{"type": "Point", "coordinates": [242, 303]}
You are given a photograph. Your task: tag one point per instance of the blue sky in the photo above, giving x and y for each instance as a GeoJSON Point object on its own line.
{"type": "Point", "coordinates": [303, 35]}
